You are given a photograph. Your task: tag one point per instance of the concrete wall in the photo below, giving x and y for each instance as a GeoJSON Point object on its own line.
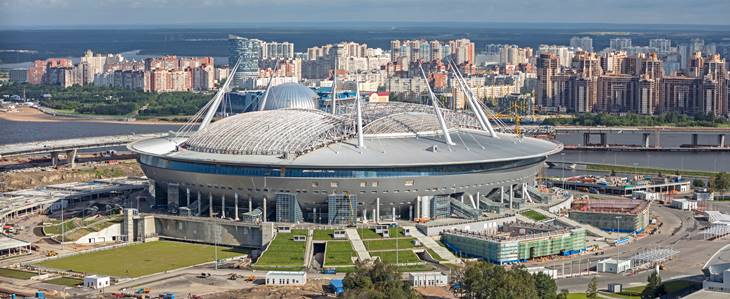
{"type": "Point", "coordinates": [205, 230]}
{"type": "Point", "coordinates": [109, 234]}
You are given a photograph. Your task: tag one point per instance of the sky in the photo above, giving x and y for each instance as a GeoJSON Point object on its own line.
{"type": "Point", "coordinates": [133, 13]}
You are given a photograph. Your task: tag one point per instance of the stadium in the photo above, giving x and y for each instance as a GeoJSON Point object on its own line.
{"type": "Point", "coordinates": [367, 161]}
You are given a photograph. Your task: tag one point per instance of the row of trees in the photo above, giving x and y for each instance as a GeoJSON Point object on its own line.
{"type": "Point", "coordinates": [475, 280]}
{"type": "Point", "coordinates": [668, 118]}
{"type": "Point", "coordinates": [110, 101]}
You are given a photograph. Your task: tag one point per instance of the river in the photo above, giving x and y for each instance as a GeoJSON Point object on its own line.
{"type": "Point", "coordinates": [19, 131]}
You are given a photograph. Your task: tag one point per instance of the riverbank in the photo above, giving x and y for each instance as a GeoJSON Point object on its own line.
{"type": "Point", "coordinates": [27, 114]}
{"type": "Point", "coordinates": [648, 170]}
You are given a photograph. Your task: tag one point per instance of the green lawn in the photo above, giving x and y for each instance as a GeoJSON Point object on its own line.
{"type": "Point", "coordinates": [323, 234]}
{"type": "Point", "coordinates": [338, 253]}
{"type": "Point", "coordinates": [647, 170]}
{"type": "Point", "coordinates": [577, 296]}
{"type": "Point", "coordinates": [284, 251]}
{"type": "Point", "coordinates": [368, 233]}
{"type": "Point", "coordinates": [65, 281]}
{"type": "Point", "coordinates": [434, 255]}
{"type": "Point", "coordinates": [404, 256]}
{"type": "Point", "coordinates": [389, 244]}
{"type": "Point", "coordinates": [55, 229]}
{"type": "Point", "coordinates": [141, 259]}
{"type": "Point", "coordinates": [533, 215]}
{"type": "Point", "coordinates": [17, 274]}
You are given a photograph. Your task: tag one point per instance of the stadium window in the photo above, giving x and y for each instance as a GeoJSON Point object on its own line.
{"type": "Point", "coordinates": [374, 184]}
{"type": "Point", "coordinates": [334, 185]}
{"type": "Point", "coordinates": [315, 184]}
{"type": "Point", "coordinates": [363, 184]}
{"type": "Point", "coordinates": [409, 183]}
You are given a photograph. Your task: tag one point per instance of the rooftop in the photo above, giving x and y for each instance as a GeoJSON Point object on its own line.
{"type": "Point", "coordinates": [618, 206]}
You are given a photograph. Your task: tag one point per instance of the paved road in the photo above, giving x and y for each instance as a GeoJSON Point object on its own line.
{"type": "Point", "coordinates": [675, 233]}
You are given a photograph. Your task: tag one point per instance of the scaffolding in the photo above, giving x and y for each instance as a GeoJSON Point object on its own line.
{"type": "Point", "coordinates": [648, 258]}
{"type": "Point", "coordinates": [288, 208]}
{"type": "Point", "coordinates": [715, 232]}
{"type": "Point", "coordinates": [341, 208]}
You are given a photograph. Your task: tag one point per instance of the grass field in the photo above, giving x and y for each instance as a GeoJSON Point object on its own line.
{"type": "Point", "coordinates": [369, 233]}
{"type": "Point", "coordinates": [434, 255]}
{"type": "Point", "coordinates": [323, 234]}
{"type": "Point", "coordinates": [284, 251]}
{"type": "Point", "coordinates": [533, 215]}
{"type": "Point", "coordinates": [55, 229]}
{"type": "Point", "coordinates": [577, 296]}
{"type": "Point", "coordinates": [389, 244]}
{"type": "Point", "coordinates": [404, 256]}
{"type": "Point", "coordinates": [141, 259]}
{"type": "Point", "coordinates": [65, 281]}
{"type": "Point", "coordinates": [17, 274]}
{"type": "Point", "coordinates": [338, 253]}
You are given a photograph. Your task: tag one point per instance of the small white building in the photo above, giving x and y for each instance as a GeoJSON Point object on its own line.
{"type": "Point", "coordinates": [553, 273]}
{"type": "Point", "coordinates": [97, 282]}
{"type": "Point", "coordinates": [717, 278]}
{"type": "Point", "coordinates": [645, 195]}
{"type": "Point", "coordinates": [339, 234]}
{"type": "Point", "coordinates": [615, 288]}
{"type": "Point", "coordinates": [683, 204]}
{"type": "Point", "coordinates": [428, 279]}
{"type": "Point", "coordinates": [286, 278]}
{"type": "Point", "coordinates": [613, 266]}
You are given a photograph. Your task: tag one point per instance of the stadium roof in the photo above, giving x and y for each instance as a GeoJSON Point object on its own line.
{"type": "Point", "coordinates": [291, 95]}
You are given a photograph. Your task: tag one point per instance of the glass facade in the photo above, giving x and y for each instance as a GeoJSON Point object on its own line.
{"type": "Point", "coordinates": [249, 52]}
{"type": "Point", "coordinates": [416, 171]}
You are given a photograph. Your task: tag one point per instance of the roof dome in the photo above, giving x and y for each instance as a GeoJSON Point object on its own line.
{"type": "Point", "coordinates": [275, 132]}
{"type": "Point", "coordinates": [291, 95]}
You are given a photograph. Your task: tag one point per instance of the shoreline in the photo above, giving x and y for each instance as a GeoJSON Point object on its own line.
{"type": "Point", "coordinates": [27, 114]}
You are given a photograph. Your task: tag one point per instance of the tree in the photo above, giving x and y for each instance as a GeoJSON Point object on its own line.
{"type": "Point", "coordinates": [592, 291]}
{"type": "Point", "coordinates": [563, 294]}
{"type": "Point", "coordinates": [698, 183]}
{"type": "Point", "coordinates": [376, 280]}
{"type": "Point", "coordinates": [654, 287]}
{"type": "Point", "coordinates": [484, 280]}
{"type": "Point", "coordinates": [545, 286]}
{"type": "Point", "coordinates": [721, 182]}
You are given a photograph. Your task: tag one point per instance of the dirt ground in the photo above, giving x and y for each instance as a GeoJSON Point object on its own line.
{"type": "Point", "coordinates": [16, 180]}
{"type": "Point", "coordinates": [313, 289]}
{"type": "Point", "coordinates": [28, 114]}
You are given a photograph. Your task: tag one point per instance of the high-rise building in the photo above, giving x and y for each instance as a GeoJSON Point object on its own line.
{"type": "Point", "coordinates": [248, 51]}
{"type": "Point", "coordinates": [547, 68]}
{"type": "Point", "coordinates": [620, 43]}
{"type": "Point", "coordinates": [585, 43]}
{"type": "Point", "coordinates": [277, 50]}
{"type": "Point", "coordinates": [660, 45]}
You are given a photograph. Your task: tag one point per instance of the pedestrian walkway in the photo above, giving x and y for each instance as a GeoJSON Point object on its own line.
{"type": "Point", "coordinates": [444, 253]}
{"type": "Point", "coordinates": [357, 244]}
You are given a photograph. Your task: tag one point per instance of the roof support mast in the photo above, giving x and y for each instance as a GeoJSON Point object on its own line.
{"type": "Point", "coordinates": [268, 87]}
{"type": "Point", "coordinates": [437, 110]}
{"type": "Point", "coordinates": [219, 97]}
{"type": "Point", "coordinates": [334, 86]}
{"type": "Point", "coordinates": [360, 138]}
{"type": "Point", "coordinates": [472, 105]}
{"type": "Point", "coordinates": [478, 109]}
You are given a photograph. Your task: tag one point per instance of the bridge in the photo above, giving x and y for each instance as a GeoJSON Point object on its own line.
{"type": "Point", "coordinates": [69, 146]}
{"type": "Point", "coordinates": [647, 133]}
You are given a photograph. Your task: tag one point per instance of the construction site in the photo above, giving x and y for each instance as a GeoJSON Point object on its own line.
{"type": "Point", "coordinates": [614, 215]}
{"type": "Point", "coordinates": [516, 242]}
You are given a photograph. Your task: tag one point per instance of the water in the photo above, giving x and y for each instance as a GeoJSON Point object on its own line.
{"type": "Point", "coordinates": [16, 132]}
{"type": "Point", "coordinates": [21, 132]}
{"type": "Point", "coordinates": [212, 41]}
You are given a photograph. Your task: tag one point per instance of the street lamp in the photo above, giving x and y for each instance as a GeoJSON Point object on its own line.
{"type": "Point", "coordinates": [618, 254]}
{"type": "Point", "coordinates": [563, 179]}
